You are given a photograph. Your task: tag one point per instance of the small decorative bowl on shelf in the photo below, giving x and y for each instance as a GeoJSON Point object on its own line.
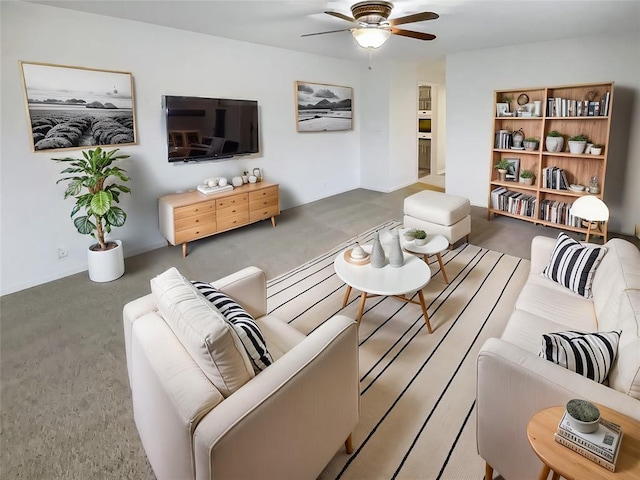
{"type": "Point", "coordinates": [584, 416]}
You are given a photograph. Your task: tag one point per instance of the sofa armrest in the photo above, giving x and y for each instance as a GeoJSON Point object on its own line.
{"type": "Point", "coordinates": [541, 250]}
{"type": "Point", "coordinates": [512, 385]}
{"type": "Point", "coordinates": [292, 418]}
{"type": "Point", "coordinates": [248, 287]}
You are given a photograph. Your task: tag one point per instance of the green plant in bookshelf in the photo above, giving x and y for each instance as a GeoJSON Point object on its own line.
{"type": "Point", "coordinates": [527, 174]}
{"type": "Point", "coordinates": [554, 134]}
{"type": "Point", "coordinates": [502, 165]}
{"type": "Point", "coordinates": [554, 141]}
{"type": "Point", "coordinates": [531, 143]}
{"type": "Point", "coordinates": [579, 138]}
{"type": "Point", "coordinates": [597, 145]}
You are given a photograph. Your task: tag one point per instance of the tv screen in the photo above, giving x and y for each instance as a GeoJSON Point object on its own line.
{"type": "Point", "coordinates": [201, 128]}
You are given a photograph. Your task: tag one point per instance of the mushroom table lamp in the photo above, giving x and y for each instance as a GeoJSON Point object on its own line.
{"type": "Point", "coordinates": [592, 210]}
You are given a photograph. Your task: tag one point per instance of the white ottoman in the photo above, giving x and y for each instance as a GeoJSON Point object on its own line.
{"type": "Point", "coordinates": [439, 214]}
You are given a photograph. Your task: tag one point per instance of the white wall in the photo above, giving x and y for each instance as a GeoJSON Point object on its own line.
{"type": "Point", "coordinates": [35, 218]}
{"type": "Point", "coordinates": [472, 78]}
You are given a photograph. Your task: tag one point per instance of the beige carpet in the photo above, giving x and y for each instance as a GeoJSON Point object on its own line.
{"type": "Point", "coordinates": [417, 417]}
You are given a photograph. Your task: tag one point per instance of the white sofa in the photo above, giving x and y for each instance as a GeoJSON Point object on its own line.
{"type": "Point", "coordinates": [288, 421]}
{"type": "Point", "coordinates": [513, 382]}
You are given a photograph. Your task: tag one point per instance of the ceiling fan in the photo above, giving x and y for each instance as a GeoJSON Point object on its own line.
{"type": "Point", "coordinates": [372, 24]}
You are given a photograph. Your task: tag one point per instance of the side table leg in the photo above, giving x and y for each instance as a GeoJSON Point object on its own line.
{"type": "Point", "coordinates": [424, 311]}
{"type": "Point", "coordinates": [184, 249]}
{"type": "Point", "coordinates": [444, 273]}
{"type": "Point", "coordinates": [544, 473]}
{"type": "Point", "coordinates": [346, 296]}
{"type": "Point", "coordinates": [363, 299]}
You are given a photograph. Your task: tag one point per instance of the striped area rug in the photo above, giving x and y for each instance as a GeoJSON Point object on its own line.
{"type": "Point", "coordinates": [417, 390]}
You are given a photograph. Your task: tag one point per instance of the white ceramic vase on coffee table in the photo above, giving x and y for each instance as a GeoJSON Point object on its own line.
{"type": "Point", "coordinates": [436, 244]}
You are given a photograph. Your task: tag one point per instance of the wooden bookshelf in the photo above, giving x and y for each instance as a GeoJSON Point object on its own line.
{"type": "Point", "coordinates": [559, 108]}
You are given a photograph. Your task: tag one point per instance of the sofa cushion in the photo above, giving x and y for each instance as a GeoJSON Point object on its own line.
{"type": "Point", "coordinates": [589, 354]}
{"type": "Point", "coordinates": [573, 265]}
{"type": "Point", "coordinates": [206, 335]}
{"type": "Point", "coordinates": [243, 323]}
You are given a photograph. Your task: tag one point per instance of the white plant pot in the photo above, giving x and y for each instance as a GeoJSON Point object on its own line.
{"type": "Point", "coordinates": [554, 144]}
{"type": "Point", "coordinates": [596, 151]}
{"type": "Point", "coordinates": [577, 147]}
{"type": "Point", "coordinates": [526, 181]}
{"type": "Point", "coordinates": [105, 266]}
{"type": "Point", "coordinates": [421, 241]}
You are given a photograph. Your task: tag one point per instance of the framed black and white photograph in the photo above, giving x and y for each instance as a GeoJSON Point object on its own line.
{"type": "Point", "coordinates": [323, 108]}
{"type": "Point", "coordinates": [76, 107]}
{"type": "Point", "coordinates": [501, 109]}
{"type": "Point", "coordinates": [513, 172]}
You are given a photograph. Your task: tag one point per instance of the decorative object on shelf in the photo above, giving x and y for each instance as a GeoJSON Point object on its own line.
{"type": "Point", "coordinates": [584, 416]}
{"type": "Point", "coordinates": [377, 252]}
{"type": "Point", "coordinates": [507, 100]}
{"type": "Point", "coordinates": [356, 255]}
{"type": "Point", "coordinates": [523, 99]}
{"type": "Point", "coordinates": [531, 143]}
{"type": "Point", "coordinates": [323, 108]}
{"type": "Point", "coordinates": [253, 179]}
{"type": "Point", "coordinates": [518, 138]}
{"type": "Point", "coordinates": [513, 169]}
{"type": "Point", "coordinates": [258, 174]}
{"type": "Point", "coordinates": [78, 107]}
{"type": "Point", "coordinates": [537, 108]}
{"type": "Point", "coordinates": [236, 181]}
{"type": "Point", "coordinates": [88, 179]}
{"type": "Point", "coordinates": [245, 177]}
{"type": "Point", "coordinates": [576, 187]}
{"type": "Point", "coordinates": [396, 257]}
{"type": "Point", "coordinates": [527, 177]}
{"type": "Point", "coordinates": [502, 166]}
{"type": "Point", "coordinates": [222, 182]}
{"type": "Point", "coordinates": [596, 149]}
{"type": "Point", "coordinates": [211, 182]}
{"type": "Point", "coordinates": [554, 141]}
{"type": "Point", "coordinates": [593, 211]}
{"type": "Point", "coordinates": [587, 149]}
{"type": "Point", "coordinates": [420, 237]}
{"type": "Point", "coordinates": [502, 109]}
{"type": "Point", "coordinates": [594, 186]}
{"type": "Point", "coordinates": [577, 144]}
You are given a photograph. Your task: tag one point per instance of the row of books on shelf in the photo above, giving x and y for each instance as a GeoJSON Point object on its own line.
{"type": "Point", "coordinates": [504, 139]}
{"type": "Point", "coordinates": [558, 212]}
{"type": "Point", "coordinates": [601, 446]}
{"type": "Point", "coordinates": [554, 177]}
{"type": "Point", "coordinates": [513, 202]}
{"type": "Point", "coordinates": [565, 107]}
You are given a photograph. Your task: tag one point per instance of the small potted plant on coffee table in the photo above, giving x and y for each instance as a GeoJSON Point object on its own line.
{"type": "Point", "coordinates": [420, 237]}
{"type": "Point", "coordinates": [527, 177]}
{"type": "Point", "coordinates": [502, 166]}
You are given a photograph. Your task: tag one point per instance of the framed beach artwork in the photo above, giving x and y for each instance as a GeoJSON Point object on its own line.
{"type": "Point", "coordinates": [323, 108]}
{"type": "Point", "coordinates": [75, 107]}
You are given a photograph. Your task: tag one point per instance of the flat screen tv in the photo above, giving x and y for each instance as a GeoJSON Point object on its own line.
{"type": "Point", "coordinates": [201, 128]}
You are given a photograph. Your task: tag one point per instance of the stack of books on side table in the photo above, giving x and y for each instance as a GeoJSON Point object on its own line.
{"type": "Point", "coordinates": [601, 446]}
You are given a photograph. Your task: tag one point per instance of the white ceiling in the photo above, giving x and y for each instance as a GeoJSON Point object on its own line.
{"type": "Point", "coordinates": [463, 24]}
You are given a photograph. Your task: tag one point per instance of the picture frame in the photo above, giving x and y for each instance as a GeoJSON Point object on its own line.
{"type": "Point", "coordinates": [501, 109]}
{"type": "Point", "coordinates": [77, 107]}
{"type": "Point", "coordinates": [323, 107]}
{"type": "Point", "coordinates": [513, 172]}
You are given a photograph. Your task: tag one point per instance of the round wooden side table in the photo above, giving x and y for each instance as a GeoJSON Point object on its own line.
{"type": "Point", "coordinates": [568, 464]}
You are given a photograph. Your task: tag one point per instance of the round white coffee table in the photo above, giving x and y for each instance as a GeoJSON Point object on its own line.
{"type": "Point", "coordinates": [387, 281]}
{"type": "Point", "coordinates": [436, 244]}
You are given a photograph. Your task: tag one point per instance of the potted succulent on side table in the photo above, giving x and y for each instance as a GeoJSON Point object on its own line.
{"type": "Point", "coordinates": [531, 143]}
{"type": "Point", "coordinates": [502, 166]}
{"type": "Point", "coordinates": [577, 144]}
{"type": "Point", "coordinates": [88, 179]}
{"type": "Point", "coordinates": [527, 177]}
{"type": "Point", "coordinates": [554, 141]}
{"type": "Point", "coordinates": [420, 237]}
{"type": "Point", "coordinates": [596, 149]}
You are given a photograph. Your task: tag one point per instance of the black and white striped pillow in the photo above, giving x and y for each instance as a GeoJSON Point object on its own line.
{"type": "Point", "coordinates": [573, 265]}
{"type": "Point", "coordinates": [243, 323]}
{"type": "Point", "coordinates": [589, 354]}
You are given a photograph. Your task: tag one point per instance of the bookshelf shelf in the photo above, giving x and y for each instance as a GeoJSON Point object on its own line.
{"type": "Point", "coordinates": [571, 110]}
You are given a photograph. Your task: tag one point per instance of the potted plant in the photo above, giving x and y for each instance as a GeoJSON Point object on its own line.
{"type": "Point", "coordinates": [577, 144]}
{"type": "Point", "coordinates": [527, 177]}
{"type": "Point", "coordinates": [88, 179]}
{"type": "Point", "coordinates": [420, 237]}
{"type": "Point", "coordinates": [531, 143]}
{"type": "Point", "coordinates": [503, 167]}
{"type": "Point", "coordinates": [409, 235]}
{"type": "Point", "coordinates": [554, 141]}
{"type": "Point", "coordinates": [596, 149]}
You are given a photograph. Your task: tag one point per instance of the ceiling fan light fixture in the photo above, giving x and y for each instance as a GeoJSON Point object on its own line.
{"type": "Point", "coordinates": [368, 37]}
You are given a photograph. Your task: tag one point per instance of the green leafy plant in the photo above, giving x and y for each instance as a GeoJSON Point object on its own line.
{"type": "Point", "coordinates": [419, 234]}
{"type": "Point", "coordinates": [532, 139]}
{"type": "Point", "coordinates": [579, 138]}
{"type": "Point", "coordinates": [508, 98]}
{"type": "Point", "coordinates": [554, 133]}
{"type": "Point", "coordinates": [88, 179]}
{"type": "Point", "coordinates": [597, 145]}
{"type": "Point", "coordinates": [526, 174]}
{"type": "Point", "coordinates": [502, 165]}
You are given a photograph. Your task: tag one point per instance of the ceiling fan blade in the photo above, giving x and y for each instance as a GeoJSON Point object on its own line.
{"type": "Point", "coordinates": [409, 33]}
{"type": "Point", "coordinates": [341, 16]}
{"type": "Point", "coordinates": [322, 33]}
{"type": "Point", "coordinates": [416, 17]}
